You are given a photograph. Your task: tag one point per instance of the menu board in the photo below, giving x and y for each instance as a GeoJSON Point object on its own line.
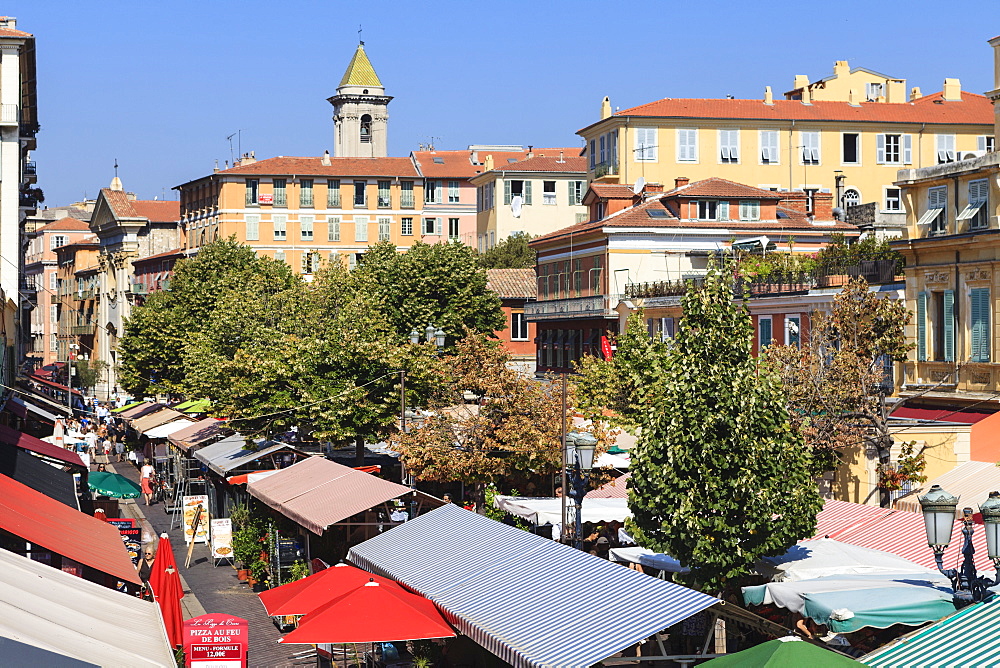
{"type": "Point", "coordinates": [222, 538]}
{"type": "Point", "coordinates": [191, 504]}
{"type": "Point", "coordinates": [216, 641]}
{"type": "Point", "coordinates": [131, 536]}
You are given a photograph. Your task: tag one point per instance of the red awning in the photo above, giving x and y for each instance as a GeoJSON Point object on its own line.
{"type": "Point", "coordinates": [939, 414]}
{"type": "Point", "coordinates": [39, 447]}
{"type": "Point", "coordinates": [37, 519]}
{"type": "Point", "coordinates": [58, 386]}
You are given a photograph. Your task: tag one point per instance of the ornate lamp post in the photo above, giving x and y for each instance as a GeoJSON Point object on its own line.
{"type": "Point", "coordinates": [938, 508]}
{"type": "Point", "coordinates": [580, 448]}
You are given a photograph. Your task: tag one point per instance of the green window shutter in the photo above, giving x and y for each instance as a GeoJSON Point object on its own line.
{"type": "Point", "coordinates": [765, 333]}
{"type": "Point", "coordinates": [572, 192]}
{"type": "Point", "coordinates": [922, 327]}
{"type": "Point", "coordinates": [506, 192]}
{"type": "Point", "coordinates": [527, 192]}
{"type": "Point", "coordinates": [949, 325]}
{"type": "Point", "coordinates": [980, 329]}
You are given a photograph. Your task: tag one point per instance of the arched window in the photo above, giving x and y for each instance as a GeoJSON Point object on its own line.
{"type": "Point", "coordinates": [851, 197]}
{"type": "Point", "coordinates": [366, 129]}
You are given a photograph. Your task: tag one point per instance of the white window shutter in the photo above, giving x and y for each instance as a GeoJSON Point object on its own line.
{"type": "Point", "coordinates": [907, 149]}
{"type": "Point", "coordinates": [437, 226]}
{"type": "Point", "coordinates": [253, 228]}
{"type": "Point", "coordinates": [723, 210]}
{"type": "Point", "coordinates": [880, 149]}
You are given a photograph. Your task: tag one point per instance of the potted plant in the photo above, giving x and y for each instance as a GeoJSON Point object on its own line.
{"type": "Point", "coordinates": [298, 570]}
{"type": "Point", "coordinates": [246, 549]}
{"type": "Point", "coordinates": [258, 574]}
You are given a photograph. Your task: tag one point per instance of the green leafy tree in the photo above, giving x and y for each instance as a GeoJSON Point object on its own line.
{"type": "Point", "coordinates": [720, 477]}
{"type": "Point", "coordinates": [511, 253]}
{"type": "Point", "coordinates": [835, 383]}
{"type": "Point", "coordinates": [88, 372]}
{"type": "Point", "coordinates": [440, 284]}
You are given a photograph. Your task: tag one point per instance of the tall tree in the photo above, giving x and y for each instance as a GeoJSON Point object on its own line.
{"type": "Point", "coordinates": [720, 477]}
{"type": "Point", "coordinates": [440, 284]}
{"type": "Point", "coordinates": [511, 253]}
{"type": "Point", "coordinates": [836, 384]}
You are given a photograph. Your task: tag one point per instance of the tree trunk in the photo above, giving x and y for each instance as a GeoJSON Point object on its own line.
{"type": "Point", "coordinates": [359, 451]}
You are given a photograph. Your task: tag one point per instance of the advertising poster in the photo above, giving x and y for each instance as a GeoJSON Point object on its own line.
{"type": "Point", "coordinates": [131, 536]}
{"type": "Point", "coordinates": [191, 505]}
{"type": "Point", "coordinates": [222, 538]}
{"type": "Point", "coordinates": [216, 641]}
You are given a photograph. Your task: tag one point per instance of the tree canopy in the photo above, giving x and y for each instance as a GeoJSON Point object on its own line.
{"type": "Point", "coordinates": [510, 253]}
{"type": "Point", "coordinates": [720, 477]}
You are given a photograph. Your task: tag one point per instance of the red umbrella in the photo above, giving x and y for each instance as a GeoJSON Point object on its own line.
{"type": "Point", "coordinates": [165, 581]}
{"type": "Point", "coordinates": [372, 613]}
{"type": "Point", "coordinates": [303, 596]}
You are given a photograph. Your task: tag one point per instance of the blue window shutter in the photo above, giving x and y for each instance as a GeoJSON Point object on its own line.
{"type": "Point", "coordinates": [527, 192]}
{"type": "Point", "coordinates": [765, 333]}
{"type": "Point", "coordinates": [949, 325]}
{"type": "Point", "coordinates": [922, 327]}
{"type": "Point", "coordinates": [980, 329]}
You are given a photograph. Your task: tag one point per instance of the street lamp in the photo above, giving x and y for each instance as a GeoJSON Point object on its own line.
{"type": "Point", "coordinates": [938, 508]}
{"type": "Point", "coordinates": [414, 337]}
{"type": "Point", "coordinates": [580, 448]}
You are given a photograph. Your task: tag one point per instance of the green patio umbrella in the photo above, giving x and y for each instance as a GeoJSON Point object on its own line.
{"type": "Point", "coordinates": [113, 485]}
{"type": "Point", "coordinates": [785, 653]}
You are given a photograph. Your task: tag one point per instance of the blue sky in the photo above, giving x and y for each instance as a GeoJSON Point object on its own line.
{"type": "Point", "coordinates": [159, 85]}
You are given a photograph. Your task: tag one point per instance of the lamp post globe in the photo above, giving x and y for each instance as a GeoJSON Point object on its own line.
{"type": "Point", "coordinates": [990, 510]}
{"type": "Point", "coordinates": [439, 338]}
{"type": "Point", "coordinates": [429, 332]}
{"type": "Point", "coordinates": [586, 445]}
{"type": "Point", "coordinates": [414, 337]}
{"type": "Point", "coordinates": [938, 508]}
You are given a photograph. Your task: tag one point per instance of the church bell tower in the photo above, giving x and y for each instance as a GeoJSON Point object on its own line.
{"type": "Point", "coordinates": [360, 111]}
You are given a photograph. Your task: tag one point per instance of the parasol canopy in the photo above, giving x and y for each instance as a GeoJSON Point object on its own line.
{"type": "Point", "coordinates": [114, 485]}
{"type": "Point", "coordinates": [303, 596]}
{"type": "Point", "coordinates": [373, 612]}
{"type": "Point", "coordinates": [783, 653]}
{"type": "Point", "coordinates": [165, 581]}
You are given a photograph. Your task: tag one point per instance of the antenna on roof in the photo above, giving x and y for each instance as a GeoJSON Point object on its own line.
{"type": "Point", "coordinates": [232, 156]}
{"type": "Point", "coordinates": [640, 183]}
{"type": "Point", "coordinates": [359, 36]}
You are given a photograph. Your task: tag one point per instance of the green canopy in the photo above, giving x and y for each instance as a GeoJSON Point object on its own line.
{"type": "Point", "coordinates": [199, 406]}
{"type": "Point", "coordinates": [184, 404]}
{"type": "Point", "coordinates": [113, 485]}
{"type": "Point", "coordinates": [784, 653]}
{"type": "Point", "coordinates": [126, 407]}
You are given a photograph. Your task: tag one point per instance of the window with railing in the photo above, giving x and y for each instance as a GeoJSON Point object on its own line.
{"type": "Point", "coordinates": [406, 199]}
{"type": "Point", "coordinates": [252, 187]}
{"type": "Point", "coordinates": [280, 192]}
{"type": "Point", "coordinates": [360, 194]}
{"type": "Point", "coordinates": [333, 194]}
{"type": "Point", "coordinates": [306, 194]}
{"type": "Point", "coordinates": [384, 198]}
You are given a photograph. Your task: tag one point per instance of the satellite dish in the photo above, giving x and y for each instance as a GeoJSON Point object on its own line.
{"type": "Point", "coordinates": [515, 206]}
{"type": "Point", "coordinates": [640, 183]}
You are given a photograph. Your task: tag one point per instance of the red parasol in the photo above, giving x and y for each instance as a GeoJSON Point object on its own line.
{"type": "Point", "coordinates": [303, 596]}
{"type": "Point", "coordinates": [165, 581]}
{"type": "Point", "coordinates": [372, 613]}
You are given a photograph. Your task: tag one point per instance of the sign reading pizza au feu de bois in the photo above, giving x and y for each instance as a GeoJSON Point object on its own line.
{"type": "Point", "coordinates": [216, 641]}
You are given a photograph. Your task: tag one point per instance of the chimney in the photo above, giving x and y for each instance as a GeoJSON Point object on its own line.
{"type": "Point", "coordinates": [841, 68]}
{"type": "Point", "coordinates": [130, 196]}
{"type": "Point", "coordinates": [325, 161]}
{"type": "Point", "coordinates": [652, 188]}
{"type": "Point", "coordinates": [801, 82]}
{"type": "Point", "coordinates": [915, 93]}
{"type": "Point", "coordinates": [605, 107]}
{"type": "Point", "coordinates": [561, 158]}
{"type": "Point", "coordinates": [852, 98]}
{"type": "Point", "coordinates": [768, 95]}
{"type": "Point", "coordinates": [952, 90]}
{"type": "Point", "coordinates": [806, 96]}
{"type": "Point", "coordinates": [895, 91]}
{"type": "Point", "coordinates": [488, 163]}
{"type": "Point", "coordinates": [215, 170]}
{"type": "Point", "coordinates": [681, 181]}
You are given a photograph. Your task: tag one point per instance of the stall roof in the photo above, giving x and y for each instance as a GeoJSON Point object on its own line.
{"type": "Point", "coordinates": [964, 639]}
{"type": "Point", "coordinates": [168, 428]}
{"type": "Point", "coordinates": [826, 557]}
{"type": "Point", "coordinates": [316, 492]}
{"type": "Point", "coordinates": [231, 453]}
{"type": "Point", "coordinates": [48, 416]}
{"type": "Point", "coordinates": [971, 481]}
{"type": "Point", "coordinates": [46, 608]}
{"type": "Point", "coordinates": [199, 432]}
{"type": "Point", "coordinates": [129, 406]}
{"type": "Point", "coordinates": [47, 402]}
{"type": "Point", "coordinates": [36, 518]}
{"type": "Point", "coordinates": [548, 510]}
{"type": "Point", "coordinates": [199, 406]}
{"type": "Point", "coordinates": [616, 489]}
{"type": "Point", "coordinates": [39, 447]}
{"type": "Point", "coordinates": [527, 599]}
{"type": "Point", "coordinates": [29, 470]}
{"type": "Point", "coordinates": [144, 408]}
{"type": "Point", "coordinates": [153, 420]}
{"type": "Point", "coordinates": [22, 654]}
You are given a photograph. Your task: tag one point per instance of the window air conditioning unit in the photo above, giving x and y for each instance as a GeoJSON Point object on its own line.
{"type": "Point", "coordinates": [969, 155]}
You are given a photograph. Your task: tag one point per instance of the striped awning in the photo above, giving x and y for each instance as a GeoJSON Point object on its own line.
{"type": "Point", "coordinates": [529, 600]}
{"type": "Point", "coordinates": [966, 639]}
{"type": "Point", "coordinates": [840, 517]}
{"type": "Point", "coordinates": [972, 482]}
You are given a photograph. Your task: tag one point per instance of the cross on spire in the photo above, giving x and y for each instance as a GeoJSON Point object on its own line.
{"type": "Point", "coordinates": [360, 41]}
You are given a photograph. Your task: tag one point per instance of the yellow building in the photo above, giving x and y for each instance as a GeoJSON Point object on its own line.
{"type": "Point", "coordinates": [304, 210]}
{"type": "Point", "coordinates": [847, 134]}
{"type": "Point", "coordinates": [952, 283]}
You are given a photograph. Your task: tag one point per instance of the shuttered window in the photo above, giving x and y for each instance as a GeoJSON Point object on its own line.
{"type": "Point", "coordinates": [687, 145]}
{"type": "Point", "coordinates": [645, 145]}
{"type": "Point", "coordinates": [764, 332]}
{"type": "Point", "coordinates": [306, 228]}
{"type": "Point", "coordinates": [945, 148]}
{"type": "Point", "coordinates": [936, 214]}
{"type": "Point", "coordinates": [253, 228]}
{"type": "Point", "coordinates": [749, 210]}
{"type": "Point", "coordinates": [279, 227]}
{"type": "Point", "coordinates": [769, 151]}
{"type": "Point", "coordinates": [729, 146]}
{"type": "Point", "coordinates": [361, 228]}
{"type": "Point", "coordinates": [922, 327]}
{"type": "Point", "coordinates": [333, 228]}
{"type": "Point", "coordinates": [948, 323]}
{"type": "Point", "coordinates": [383, 228]}
{"type": "Point", "coordinates": [810, 147]}
{"type": "Point", "coordinates": [980, 324]}
{"type": "Point", "coordinates": [977, 210]}
{"type": "Point", "coordinates": [333, 194]}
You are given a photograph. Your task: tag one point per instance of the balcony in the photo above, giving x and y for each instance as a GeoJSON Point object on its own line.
{"type": "Point", "coordinates": [81, 330]}
{"type": "Point", "coordinates": [10, 115]}
{"type": "Point", "coordinates": [580, 307]}
{"type": "Point", "coordinates": [139, 289]}
{"type": "Point", "coordinates": [30, 172]}
{"type": "Point", "coordinates": [605, 169]}
{"type": "Point", "coordinates": [83, 295]}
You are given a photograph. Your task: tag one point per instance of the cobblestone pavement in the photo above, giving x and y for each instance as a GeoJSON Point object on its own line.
{"type": "Point", "coordinates": [212, 589]}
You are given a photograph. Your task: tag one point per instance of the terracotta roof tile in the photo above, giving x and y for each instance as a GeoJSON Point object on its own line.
{"type": "Point", "coordinates": [65, 224]}
{"type": "Point", "coordinates": [337, 167]}
{"type": "Point", "coordinates": [545, 163]}
{"type": "Point", "coordinates": [158, 211]}
{"type": "Point", "coordinates": [716, 187]}
{"type": "Point", "coordinates": [512, 283]}
{"type": "Point", "coordinates": [460, 164]}
{"type": "Point", "coordinates": [119, 202]}
{"type": "Point", "coordinates": [612, 190]}
{"type": "Point", "coordinates": [179, 252]}
{"type": "Point", "coordinates": [972, 109]}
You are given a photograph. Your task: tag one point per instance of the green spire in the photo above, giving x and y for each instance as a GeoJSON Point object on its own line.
{"type": "Point", "coordinates": [360, 71]}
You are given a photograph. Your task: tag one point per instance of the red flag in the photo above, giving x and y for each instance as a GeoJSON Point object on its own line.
{"type": "Point", "coordinates": [606, 349]}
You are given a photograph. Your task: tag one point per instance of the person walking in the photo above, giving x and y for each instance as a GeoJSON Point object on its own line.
{"type": "Point", "coordinates": [146, 475]}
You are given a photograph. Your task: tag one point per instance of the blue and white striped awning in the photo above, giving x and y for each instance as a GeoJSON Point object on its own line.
{"type": "Point", "coordinates": [967, 639]}
{"type": "Point", "coordinates": [529, 600]}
